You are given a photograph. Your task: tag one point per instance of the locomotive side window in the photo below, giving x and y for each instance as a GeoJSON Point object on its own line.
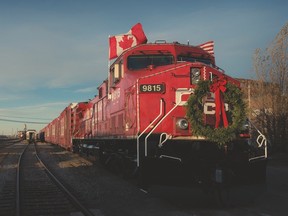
{"type": "Point", "coordinates": [116, 72]}
{"type": "Point", "coordinates": [100, 92]}
{"type": "Point", "coordinates": [194, 59]}
{"type": "Point", "coordinates": [137, 62]}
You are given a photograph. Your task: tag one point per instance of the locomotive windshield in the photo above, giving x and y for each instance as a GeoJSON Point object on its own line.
{"type": "Point", "coordinates": [136, 62]}
{"type": "Point", "coordinates": [194, 59]}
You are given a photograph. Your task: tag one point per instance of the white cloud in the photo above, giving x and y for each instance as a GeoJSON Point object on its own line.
{"type": "Point", "coordinates": [86, 90]}
{"type": "Point", "coordinates": [9, 97]}
{"type": "Point", "coordinates": [35, 110]}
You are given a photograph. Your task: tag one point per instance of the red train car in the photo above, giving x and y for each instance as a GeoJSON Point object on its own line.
{"type": "Point", "coordinates": [138, 120]}
{"type": "Point", "coordinates": [51, 131]}
{"type": "Point", "coordinates": [78, 116]}
{"type": "Point", "coordinates": [66, 126]}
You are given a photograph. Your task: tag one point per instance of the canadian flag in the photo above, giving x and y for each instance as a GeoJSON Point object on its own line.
{"type": "Point", "coordinates": [122, 42]}
{"type": "Point", "coordinates": [208, 47]}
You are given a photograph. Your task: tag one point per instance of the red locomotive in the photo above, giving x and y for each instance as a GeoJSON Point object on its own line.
{"type": "Point", "coordinates": [139, 122]}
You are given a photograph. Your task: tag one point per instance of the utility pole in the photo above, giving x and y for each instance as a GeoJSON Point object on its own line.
{"type": "Point", "coordinates": [249, 99]}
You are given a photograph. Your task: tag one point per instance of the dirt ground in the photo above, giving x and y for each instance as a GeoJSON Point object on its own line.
{"type": "Point", "coordinates": [108, 194]}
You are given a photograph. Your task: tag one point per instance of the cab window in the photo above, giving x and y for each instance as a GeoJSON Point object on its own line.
{"type": "Point", "coordinates": [137, 62]}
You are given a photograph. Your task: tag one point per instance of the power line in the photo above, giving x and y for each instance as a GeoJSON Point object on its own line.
{"type": "Point", "coordinates": [18, 121]}
{"type": "Point", "coordinates": [24, 117]}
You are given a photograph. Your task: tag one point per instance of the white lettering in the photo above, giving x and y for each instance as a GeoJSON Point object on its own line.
{"type": "Point", "coordinates": [209, 108]}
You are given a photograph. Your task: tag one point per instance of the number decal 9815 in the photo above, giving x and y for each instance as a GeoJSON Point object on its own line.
{"type": "Point", "coordinates": [152, 88]}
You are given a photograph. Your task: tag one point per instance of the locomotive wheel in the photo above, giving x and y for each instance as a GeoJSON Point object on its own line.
{"type": "Point", "coordinates": [119, 165]}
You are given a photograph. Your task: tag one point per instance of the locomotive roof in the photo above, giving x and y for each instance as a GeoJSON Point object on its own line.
{"type": "Point", "coordinates": [162, 47]}
{"type": "Point", "coordinates": [170, 46]}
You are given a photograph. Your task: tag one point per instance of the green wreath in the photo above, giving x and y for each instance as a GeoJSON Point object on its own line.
{"type": "Point", "coordinates": [236, 115]}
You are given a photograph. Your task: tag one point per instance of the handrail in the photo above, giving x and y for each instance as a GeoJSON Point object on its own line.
{"type": "Point", "coordinates": [170, 157]}
{"type": "Point", "coordinates": [158, 125]}
{"type": "Point", "coordinates": [160, 139]}
{"type": "Point", "coordinates": [138, 137]}
{"type": "Point", "coordinates": [260, 143]}
{"type": "Point", "coordinates": [261, 140]}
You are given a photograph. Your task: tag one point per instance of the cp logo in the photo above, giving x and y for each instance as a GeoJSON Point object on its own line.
{"type": "Point", "coordinates": [209, 108]}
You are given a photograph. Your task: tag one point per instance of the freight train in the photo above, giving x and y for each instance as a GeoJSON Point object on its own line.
{"type": "Point", "coordinates": [141, 124]}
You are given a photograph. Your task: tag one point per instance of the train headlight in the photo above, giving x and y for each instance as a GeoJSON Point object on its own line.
{"type": "Point", "coordinates": [182, 124]}
{"type": "Point", "coordinates": [195, 75]}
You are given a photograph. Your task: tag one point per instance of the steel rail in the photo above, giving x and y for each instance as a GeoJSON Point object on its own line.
{"type": "Point", "coordinates": [18, 183]}
{"type": "Point", "coordinates": [71, 197]}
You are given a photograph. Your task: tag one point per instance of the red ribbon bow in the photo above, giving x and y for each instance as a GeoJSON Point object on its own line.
{"type": "Point", "coordinates": [218, 86]}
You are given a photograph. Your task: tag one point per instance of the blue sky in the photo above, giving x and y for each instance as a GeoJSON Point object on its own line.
{"type": "Point", "coordinates": [54, 52]}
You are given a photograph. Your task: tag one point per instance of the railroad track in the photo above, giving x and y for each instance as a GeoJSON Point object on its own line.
{"type": "Point", "coordinates": [8, 142]}
{"type": "Point", "coordinates": [34, 190]}
{"type": "Point", "coordinates": [40, 192]}
{"type": "Point", "coordinates": [9, 154]}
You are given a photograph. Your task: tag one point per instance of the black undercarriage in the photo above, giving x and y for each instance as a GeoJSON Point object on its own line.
{"type": "Point", "coordinates": [179, 162]}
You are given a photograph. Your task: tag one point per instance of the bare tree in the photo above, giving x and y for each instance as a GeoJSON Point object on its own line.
{"type": "Point", "coordinates": [270, 92]}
